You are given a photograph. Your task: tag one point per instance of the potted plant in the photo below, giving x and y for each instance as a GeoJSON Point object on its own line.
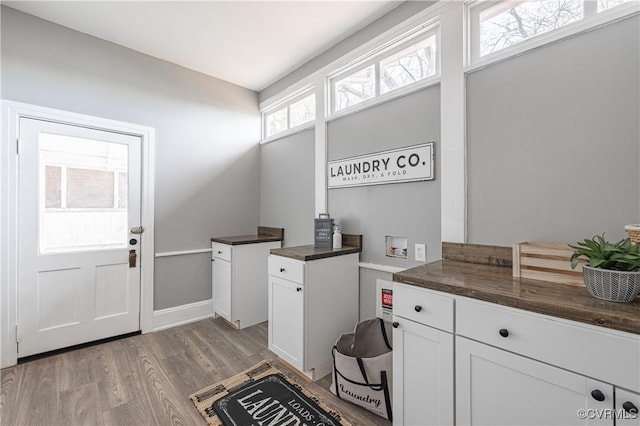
{"type": "Point", "coordinates": [612, 270]}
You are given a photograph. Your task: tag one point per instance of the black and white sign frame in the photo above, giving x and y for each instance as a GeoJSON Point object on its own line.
{"type": "Point", "coordinates": [400, 165]}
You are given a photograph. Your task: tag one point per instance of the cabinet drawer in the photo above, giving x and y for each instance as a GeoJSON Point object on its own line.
{"type": "Point", "coordinates": [423, 306]}
{"type": "Point", "coordinates": [289, 269]}
{"type": "Point", "coordinates": [603, 354]}
{"type": "Point", "coordinates": [221, 251]}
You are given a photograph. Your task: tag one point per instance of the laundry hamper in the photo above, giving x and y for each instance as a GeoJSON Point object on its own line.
{"type": "Point", "coordinates": [362, 367]}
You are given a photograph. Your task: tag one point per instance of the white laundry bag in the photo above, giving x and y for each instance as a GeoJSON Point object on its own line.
{"type": "Point", "coordinates": [362, 367]}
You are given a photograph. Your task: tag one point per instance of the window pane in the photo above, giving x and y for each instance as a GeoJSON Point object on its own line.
{"type": "Point", "coordinates": [608, 4]}
{"type": "Point", "coordinates": [302, 111]}
{"type": "Point", "coordinates": [123, 190]}
{"type": "Point", "coordinates": [276, 122]}
{"type": "Point", "coordinates": [503, 26]}
{"type": "Point", "coordinates": [52, 187]}
{"type": "Point", "coordinates": [78, 194]}
{"type": "Point", "coordinates": [88, 188]}
{"type": "Point", "coordinates": [355, 88]}
{"type": "Point", "coordinates": [409, 65]}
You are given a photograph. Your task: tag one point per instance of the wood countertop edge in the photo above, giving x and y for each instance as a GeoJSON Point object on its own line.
{"type": "Point", "coordinates": [582, 314]}
{"type": "Point", "coordinates": [286, 252]}
{"type": "Point", "coordinates": [251, 239]}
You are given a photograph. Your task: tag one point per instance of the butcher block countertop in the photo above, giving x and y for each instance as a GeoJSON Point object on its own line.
{"type": "Point", "coordinates": [351, 243]}
{"type": "Point", "coordinates": [495, 283]}
{"type": "Point", "coordinates": [264, 235]}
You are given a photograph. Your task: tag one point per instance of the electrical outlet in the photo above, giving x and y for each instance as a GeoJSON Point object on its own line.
{"type": "Point", "coordinates": [421, 252]}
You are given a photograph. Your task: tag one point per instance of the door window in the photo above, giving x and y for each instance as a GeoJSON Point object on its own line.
{"type": "Point", "coordinates": [83, 194]}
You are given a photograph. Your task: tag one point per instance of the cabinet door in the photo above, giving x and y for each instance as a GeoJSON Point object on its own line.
{"type": "Point", "coordinates": [221, 289]}
{"type": "Point", "coordinates": [627, 406]}
{"type": "Point", "coordinates": [496, 387]}
{"type": "Point", "coordinates": [286, 320]}
{"type": "Point", "coordinates": [422, 374]}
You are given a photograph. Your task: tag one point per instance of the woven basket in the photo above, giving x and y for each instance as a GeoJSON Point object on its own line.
{"type": "Point", "coordinates": [615, 286]}
{"type": "Point", "coordinates": [634, 232]}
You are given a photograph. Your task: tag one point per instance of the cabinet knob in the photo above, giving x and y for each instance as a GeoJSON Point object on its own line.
{"type": "Point", "coordinates": [281, 269]}
{"type": "Point", "coordinates": [298, 288]}
{"type": "Point", "coordinates": [418, 308]}
{"type": "Point", "coordinates": [395, 324]}
{"type": "Point", "coordinates": [219, 251]}
{"type": "Point", "coordinates": [504, 332]}
{"type": "Point", "coordinates": [597, 395]}
{"type": "Point", "coordinates": [630, 407]}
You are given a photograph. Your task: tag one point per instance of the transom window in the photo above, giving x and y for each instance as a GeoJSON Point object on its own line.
{"type": "Point", "coordinates": [402, 64]}
{"type": "Point", "coordinates": [499, 25]}
{"type": "Point", "coordinates": [298, 111]}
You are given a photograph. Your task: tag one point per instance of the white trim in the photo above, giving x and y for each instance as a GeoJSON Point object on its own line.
{"type": "Point", "coordinates": [183, 252]}
{"type": "Point", "coordinates": [11, 112]}
{"type": "Point", "coordinates": [180, 315]}
{"type": "Point", "coordinates": [320, 147]}
{"type": "Point", "coordinates": [381, 268]}
{"type": "Point", "coordinates": [453, 176]}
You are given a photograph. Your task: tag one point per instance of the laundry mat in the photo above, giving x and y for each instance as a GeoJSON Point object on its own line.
{"type": "Point", "coordinates": [263, 395]}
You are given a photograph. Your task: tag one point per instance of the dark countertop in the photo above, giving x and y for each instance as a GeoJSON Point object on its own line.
{"type": "Point", "coordinates": [496, 284]}
{"type": "Point", "coordinates": [350, 244]}
{"type": "Point", "coordinates": [264, 235]}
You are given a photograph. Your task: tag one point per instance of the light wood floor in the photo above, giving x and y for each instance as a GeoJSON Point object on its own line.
{"type": "Point", "coordinates": [142, 380]}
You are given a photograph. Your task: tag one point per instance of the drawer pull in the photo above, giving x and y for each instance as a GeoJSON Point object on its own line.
{"type": "Point", "coordinates": [219, 251]}
{"type": "Point", "coordinates": [395, 324]}
{"type": "Point", "coordinates": [418, 308]}
{"type": "Point", "coordinates": [630, 408]}
{"type": "Point", "coordinates": [504, 332]}
{"type": "Point", "coordinates": [282, 269]}
{"type": "Point", "coordinates": [597, 395]}
{"type": "Point", "coordinates": [298, 288]}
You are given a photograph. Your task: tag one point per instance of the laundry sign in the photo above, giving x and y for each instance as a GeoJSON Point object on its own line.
{"type": "Point", "coordinates": [407, 164]}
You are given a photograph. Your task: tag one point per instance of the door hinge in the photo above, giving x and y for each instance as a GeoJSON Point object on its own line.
{"type": "Point", "coordinates": [17, 333]}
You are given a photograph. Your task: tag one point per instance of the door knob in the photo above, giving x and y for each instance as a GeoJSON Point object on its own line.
{"type": "Point", "coordinates": [597, 395]}
{"type": "Point", "coordinates": [630, 407]}
{"type": "Point", "coordinates": [137, 230]}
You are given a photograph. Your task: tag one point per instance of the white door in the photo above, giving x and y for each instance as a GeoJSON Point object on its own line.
{"type": "Point", "coordinates": [221, 290]}
{"type": "Point", "coordinates": [496, 387]}
{"type": "Point", "coordinates": [422, 374]}
{"type": "Point", "coordinates": [286, 321]}
{"type": "Point", "coordinates": [79, 198]}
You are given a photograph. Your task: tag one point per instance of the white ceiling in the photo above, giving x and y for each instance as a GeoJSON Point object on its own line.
{"type": "Point", "coordinates": [249, 43]}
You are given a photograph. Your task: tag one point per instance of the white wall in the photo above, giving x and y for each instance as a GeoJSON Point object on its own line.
{"type": "Point", "coordinates": [207, 132]}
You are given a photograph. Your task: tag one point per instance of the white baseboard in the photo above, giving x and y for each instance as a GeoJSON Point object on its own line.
{"type": "Point", "coordinates": [184, 314]}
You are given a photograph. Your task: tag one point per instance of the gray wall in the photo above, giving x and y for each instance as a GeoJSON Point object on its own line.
{"type": "Point", "coordinates": [409, 210]}
{"type": "Point", "coordinates": [287, 197]}
{"type": "Point", "coordinates": [553, 141]}
{"type": "Point", "coordinates": [207, 130]}
{"type": "Point", "coordinates": [404, 11]}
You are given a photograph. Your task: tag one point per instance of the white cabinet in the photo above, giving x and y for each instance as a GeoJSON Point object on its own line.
{"type": "Point", "coordinates": [511, 367]}
{"type": "Point", "coordinates": [496, 387]}
{"type": "Point", "coordinates": [423, 391]}
{"type": "Point", "coordinates": [239, 282]}
{"type": "Point", "coordinates": [311, 303]}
